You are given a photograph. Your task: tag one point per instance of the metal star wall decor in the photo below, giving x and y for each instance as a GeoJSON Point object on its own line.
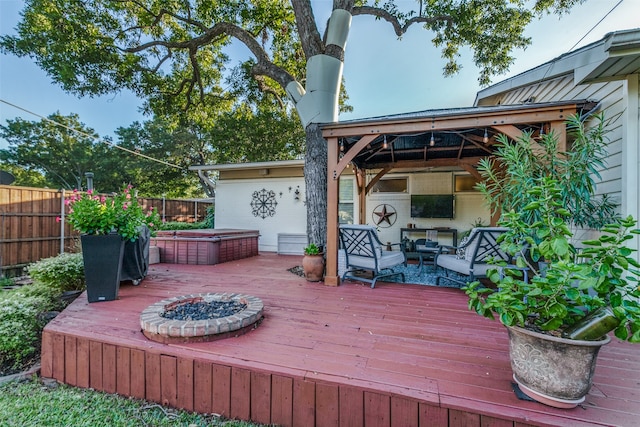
{"type": "Point", "coordinates": [263, 203]}
{"type": "Point", "coordinates": [384, 214]}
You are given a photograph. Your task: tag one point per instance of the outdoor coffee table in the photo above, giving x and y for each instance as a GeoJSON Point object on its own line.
{"type": "Point", "coordinates": [427, 256]}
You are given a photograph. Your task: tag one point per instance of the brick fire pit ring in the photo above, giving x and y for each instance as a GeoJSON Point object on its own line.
{"type": "Point", "coordinates": [164, 330]}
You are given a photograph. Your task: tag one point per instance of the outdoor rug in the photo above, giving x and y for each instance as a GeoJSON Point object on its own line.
{"type": "Point", "coordinates": [412, 274]}
{"type": "Point", "coordinates": [427, 277]}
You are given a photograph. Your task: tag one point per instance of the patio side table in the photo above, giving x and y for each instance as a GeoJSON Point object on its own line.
{"type": "Point", "coordinates": [427, 255]}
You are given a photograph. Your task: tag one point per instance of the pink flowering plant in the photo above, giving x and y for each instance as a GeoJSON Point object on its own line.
{"type": "Point", "coordinates": [121, 213]}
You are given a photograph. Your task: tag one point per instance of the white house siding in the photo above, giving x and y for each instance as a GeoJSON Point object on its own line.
{"type": "Point", "coordinates": [233, 208]}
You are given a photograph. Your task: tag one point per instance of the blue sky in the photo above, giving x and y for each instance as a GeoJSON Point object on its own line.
{"type": "Point", "coordinates": [383, 75]}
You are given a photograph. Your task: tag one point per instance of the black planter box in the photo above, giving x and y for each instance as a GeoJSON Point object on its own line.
{"type": "Point", "coordinates": [102, 257]}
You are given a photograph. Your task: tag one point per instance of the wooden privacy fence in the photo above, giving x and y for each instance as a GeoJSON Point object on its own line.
{"type": "Point", "coordinates": [29, 230]}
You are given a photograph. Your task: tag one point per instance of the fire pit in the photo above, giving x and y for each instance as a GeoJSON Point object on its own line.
{"type": "Point", "coordinates": [201, 317]}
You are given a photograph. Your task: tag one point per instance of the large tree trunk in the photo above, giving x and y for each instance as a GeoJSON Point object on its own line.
{"type": "Point", "coordinates": [315, 179]}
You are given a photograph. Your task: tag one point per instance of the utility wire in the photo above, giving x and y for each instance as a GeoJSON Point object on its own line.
{"type": "Point", "coordinates": [581, 38]}
{"type": "Point", "coordinates": [135, 153]}
{"type": "Point", "coordinates": [597, 23]}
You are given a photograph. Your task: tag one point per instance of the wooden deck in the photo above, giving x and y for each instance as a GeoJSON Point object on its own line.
{"type": "Point", "coordinates": [397, 355]}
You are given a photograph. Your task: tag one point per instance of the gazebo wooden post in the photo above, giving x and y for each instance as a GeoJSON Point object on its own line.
{"type": "Point", "coordinates": [333, 181]}
{"type": "Point", "coordinates": [361, 180]}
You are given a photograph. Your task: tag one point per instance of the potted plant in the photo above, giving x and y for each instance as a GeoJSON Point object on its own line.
{"type": "Point", "coordinates": [106, 224]}
{"type": "Point", "coordinates": [558, 319]}
{"type": "Point", "coordinates": [313, 263]}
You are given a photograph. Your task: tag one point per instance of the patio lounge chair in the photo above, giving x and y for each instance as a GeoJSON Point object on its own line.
{"type": "Point", "coordinates": [471, 257]}
{"type": "Point", "coordinates": [364, 251]}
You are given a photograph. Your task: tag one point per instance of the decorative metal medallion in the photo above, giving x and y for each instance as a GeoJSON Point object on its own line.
{"type": "Point", "coordinates": [263, 203]}
{"type": "Point", "coordinates": [384, 215]}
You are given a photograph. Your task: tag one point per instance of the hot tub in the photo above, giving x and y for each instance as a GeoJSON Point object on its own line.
{"type": "Point", "coordinates": [207, 246]}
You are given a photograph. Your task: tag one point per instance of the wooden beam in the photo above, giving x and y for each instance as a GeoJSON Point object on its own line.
{"type": "Point", "coordinates": [473, 171]}
{"type": "Point", "coordinates": [376, 178]}
{"type": "Point", "coordinates": [350, 155]}
{"type": "Point", "coordinates": [509, 130]}
{"type": "Point", "coordinates": [514, 133]}
{"type": "Point", "coordinates": [473, 141]}
{"type": "Point", "coordinates": [429, 163]}
{"type": "Point", "coordinates": [331, 251]}
{"type": "Point", "coordinates": [560, 129]}
{"type": "Point", "coordinates": [474, 119]}
{"type": "Point", "coordinates": [362, 195]}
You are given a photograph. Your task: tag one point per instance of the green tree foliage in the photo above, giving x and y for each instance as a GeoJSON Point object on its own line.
{"type": "Point", "coordinates": [243, 134]}
{"type": "Point", "coordinates": [61, 155]}
{"type": "Point", "coordinates": [173, 54]}
{"type": "Point", "coordinates": [25, 178]}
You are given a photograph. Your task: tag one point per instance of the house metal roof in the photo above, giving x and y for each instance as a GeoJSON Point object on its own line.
{"type": "Point", "coordinates": [614, 57]}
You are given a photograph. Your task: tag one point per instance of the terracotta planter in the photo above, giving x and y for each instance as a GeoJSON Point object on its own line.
{"type": "Point", "coordinates": [102, 258]}
{"type": "Point", "coordinates": [313, 266]}
{"type": "Point", "coordinates": [554, 371]}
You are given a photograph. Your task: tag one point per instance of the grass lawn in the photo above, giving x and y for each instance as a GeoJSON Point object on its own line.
{"type": "Point", "coordinates": [34, 403]}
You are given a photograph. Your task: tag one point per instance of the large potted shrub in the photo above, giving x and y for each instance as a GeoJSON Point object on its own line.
{"type": "Point", "coordinates": [105, 224]}
{"type": "Point", "coordinates": [560, 316]}
{"type": "Point", "coordinates": [558, 319]}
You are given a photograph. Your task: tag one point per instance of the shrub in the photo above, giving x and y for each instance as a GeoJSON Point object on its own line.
{"type": "Point", "coordinates": [64, 272]}
{"type": "Point", "coordinates": [5, 282]}
{"type": "Point", "coordinates": [175, 225]}
{"type": "Point", "coordinates": [21, 322]}
{"type": "Point", "coordinates": [210, 219]}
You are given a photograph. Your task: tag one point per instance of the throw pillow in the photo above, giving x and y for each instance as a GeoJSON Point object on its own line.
{"type": "Point", "coordinates": [461, 250]}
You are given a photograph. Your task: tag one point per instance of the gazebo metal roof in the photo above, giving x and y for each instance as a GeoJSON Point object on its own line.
{"type": "Point", "coordinates": [444, 137]}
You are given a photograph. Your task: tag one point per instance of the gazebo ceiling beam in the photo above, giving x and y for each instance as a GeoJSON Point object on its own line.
{"type": "Point", "coordinates": [376, 178]}
{"type": "Point", "coordinates": [353, 152]}
{"type": "Point", "coordinates": [473, 141]}
{"type": "Point", "coordinates": [429, 163]}
{"type": "Point", "coordinates": [422, 151]}
{"type": "Point", "coordinates": [472, 170]}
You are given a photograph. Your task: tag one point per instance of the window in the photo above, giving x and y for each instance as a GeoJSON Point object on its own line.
{"type": "Point", "coordinates": [391, 185]}
{"type": "Point", "coordinates": [464, 183]}
{"type": "Point", "coordinates": [345, 201]}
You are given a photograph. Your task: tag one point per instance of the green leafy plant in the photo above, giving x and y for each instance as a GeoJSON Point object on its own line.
{"type": "Point", "coordinates": [312, 249]}
{"type": "Point", "coordinates": [210, 219]}
{"type": "Point", "coordinates": [121, 213]}
{"type": "Point", "coordinates": [64, 272]}
{"type": "Point", "coordinates": [572, 284]}
{"type": "Point", "coordinates": [5, 282]}
{"type": "Point", "coordinates": [21, 323]}
{"type": "Point", "coordinates": [516, 167]}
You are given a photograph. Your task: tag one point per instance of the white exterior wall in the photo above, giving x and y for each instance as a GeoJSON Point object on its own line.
{"type": "Point", "coordinates": [233, 208]}
{"type": "Point", "coordinates": [469, 206]}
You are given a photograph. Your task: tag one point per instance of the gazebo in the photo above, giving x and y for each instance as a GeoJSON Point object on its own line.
{"type": "Point", "coordinates": [447, 138]}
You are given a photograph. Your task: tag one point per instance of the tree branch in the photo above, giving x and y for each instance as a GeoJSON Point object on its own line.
{"type": "Point", "coordinates": [307, 28]}
{"type": "Point", "coordinates": [393, 20]}
{"type": "Point", "coordinates": [264, 87]}
{"type": "Point", "coordinates": [264, 66]}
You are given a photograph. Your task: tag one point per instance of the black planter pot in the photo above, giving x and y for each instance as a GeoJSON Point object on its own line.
{"type": "Point", "coordinates": [102, 256]}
